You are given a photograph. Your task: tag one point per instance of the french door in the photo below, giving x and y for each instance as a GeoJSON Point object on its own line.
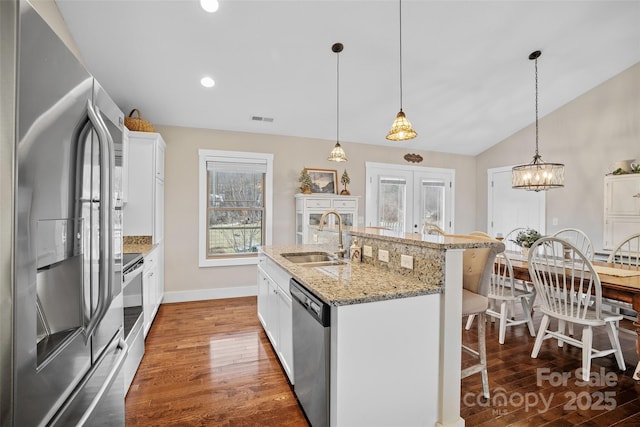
{"type": "Point", "coordinates": [405, 198]}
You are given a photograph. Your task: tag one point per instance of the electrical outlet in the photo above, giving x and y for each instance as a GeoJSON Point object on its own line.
{"type": "Point", "coordinates": [406, 261]}
{"type": "Point", "coordinates": [367, 251]}
{"type": "Point", "coordinates": [554, 221]}
{"type": "Point", "coordinates": [383, 255]}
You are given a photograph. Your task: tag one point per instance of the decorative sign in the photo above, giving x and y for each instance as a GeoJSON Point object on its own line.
{"type": "Point", "coordinates": [413, 158]}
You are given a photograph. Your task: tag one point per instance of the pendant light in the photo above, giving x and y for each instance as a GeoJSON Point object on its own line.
{"type": "Point", "coordinates": [537, 175]}
{"type": "Point", "coordinates": [337, 154]}
{"type": "Point", "coordinates": [401, 129]}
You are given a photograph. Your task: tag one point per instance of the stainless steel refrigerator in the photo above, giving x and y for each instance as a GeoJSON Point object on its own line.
{"type": "Point", "coordinates": [62, 343]}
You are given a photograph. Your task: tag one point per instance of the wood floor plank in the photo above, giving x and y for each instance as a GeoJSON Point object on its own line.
{"type": "Point", "coordinates": [209, 363]}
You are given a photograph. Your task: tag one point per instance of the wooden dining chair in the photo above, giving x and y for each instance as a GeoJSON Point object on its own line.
{"type": "Point", "coordinates": [504, 296]}
{"type": "Point", "coordinates": [625, 254]}
{"type": "Point", "coordinates": [569, 290]}
{"type": "Point", "coordinates": [476, 279]}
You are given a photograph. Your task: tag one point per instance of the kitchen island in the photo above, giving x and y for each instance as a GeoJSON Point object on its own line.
{"type": "Point", "coordinates": [390, 362]}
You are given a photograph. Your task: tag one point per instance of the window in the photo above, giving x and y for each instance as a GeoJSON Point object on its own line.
{"type": "Point", "coordinates": [235, 206]}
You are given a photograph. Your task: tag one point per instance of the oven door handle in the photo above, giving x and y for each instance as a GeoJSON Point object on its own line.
{"type": "Point", "coordinates": [130, 275]}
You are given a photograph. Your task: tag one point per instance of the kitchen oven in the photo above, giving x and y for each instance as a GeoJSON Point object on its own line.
{"type": "Point", "coordinates": [132, 289]}
{"type": "Point", "coordinates": [133, 314]}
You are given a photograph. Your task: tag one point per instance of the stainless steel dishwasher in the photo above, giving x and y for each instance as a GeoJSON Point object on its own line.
{"type": "Point", "coordinates": [311, 353]}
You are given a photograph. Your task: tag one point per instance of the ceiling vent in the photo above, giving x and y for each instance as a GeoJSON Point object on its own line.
{"type": "Point", "coordinates": [262, 119]}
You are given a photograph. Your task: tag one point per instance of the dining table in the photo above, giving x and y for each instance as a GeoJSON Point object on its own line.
{"type": "Point", "coordinates": [621, 283]}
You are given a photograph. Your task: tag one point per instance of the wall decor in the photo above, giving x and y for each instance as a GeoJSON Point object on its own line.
{"type": "Point", "coordinates": [323, 180]}
{"type": "Point", "coordinates": [345, 180]}
{"type": "Point", "coordinates": [413, 158]}
{"type": "Point", "coordinates": [305, 182]}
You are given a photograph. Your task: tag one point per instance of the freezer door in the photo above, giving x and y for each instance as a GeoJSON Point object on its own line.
{"type": "Point", "coordinates": [98, 400]}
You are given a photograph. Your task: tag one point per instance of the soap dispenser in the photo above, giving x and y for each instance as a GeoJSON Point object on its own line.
{"type": "Point", "coordinates": [355, 251]}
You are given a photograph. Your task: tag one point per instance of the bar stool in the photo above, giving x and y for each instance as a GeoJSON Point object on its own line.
{"type": "Point", "coordinates": [476, 278]}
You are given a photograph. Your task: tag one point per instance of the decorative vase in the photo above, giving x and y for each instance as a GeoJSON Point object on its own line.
{"type": "Point", "coordinates": [306, 189]}
{"type": "Point", "coordinates": [525, 252]}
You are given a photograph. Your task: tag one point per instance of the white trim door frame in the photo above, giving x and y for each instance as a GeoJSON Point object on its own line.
{"type": "Point", "coordinates": [508, 208]}
{"type": "Point", "coordinates": [418, 183]}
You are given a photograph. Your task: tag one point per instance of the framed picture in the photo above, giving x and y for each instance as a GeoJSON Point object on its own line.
{"type": "Point", "coordinates": [323, 180]}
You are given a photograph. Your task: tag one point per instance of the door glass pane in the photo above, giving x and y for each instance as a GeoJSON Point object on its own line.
{"type": "Point", "coordinates": [347, 219]}
{"type": "Point", "coordinates": [432, 202]}
{"type": "Point", "coordinates": [392, 203]}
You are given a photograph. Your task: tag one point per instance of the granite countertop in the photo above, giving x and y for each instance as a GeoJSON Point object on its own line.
{"type": "Point", "coordinates": [433, 241]}
{"type": "Point", "coordinates": [350, 283]}
{"type": "Point", "coordinates": [134, 248]}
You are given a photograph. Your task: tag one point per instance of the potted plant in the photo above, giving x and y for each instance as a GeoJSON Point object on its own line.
{"type": "Point", "coordinates": [305, 181]}
{"type": "Point", "coordinates": [345, 180]}
{"type": "Point", "coordinates": [526, 238]}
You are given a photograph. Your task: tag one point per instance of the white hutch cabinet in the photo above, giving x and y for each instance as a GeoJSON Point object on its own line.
{"type": "Point", "coordinates": [621, 208]}
{"type": "Point", "coordinates": [309, 209]}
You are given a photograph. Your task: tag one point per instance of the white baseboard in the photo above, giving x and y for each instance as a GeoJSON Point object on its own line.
{"type": "Point", "coordinates": [205, 294]}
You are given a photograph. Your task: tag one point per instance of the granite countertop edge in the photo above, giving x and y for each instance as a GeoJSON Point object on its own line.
{"type": "Point", "coordinates": [142, 248]}
{"type": "Point", "coordinates": [348, 284]}
{"type": "Point", "coordinates": [433, 241]}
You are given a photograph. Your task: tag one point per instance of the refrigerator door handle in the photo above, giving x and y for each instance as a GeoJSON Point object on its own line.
{"type": "Point", "coordinates": [106, 249]}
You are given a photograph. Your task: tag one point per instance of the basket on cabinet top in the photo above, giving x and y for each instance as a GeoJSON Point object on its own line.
{"type": "Point", "coordinates": [138, 123]}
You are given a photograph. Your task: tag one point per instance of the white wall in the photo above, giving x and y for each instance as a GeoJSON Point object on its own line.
{"type": "Point", "coordinates": [49, 11]}
{"type": "Point", "coordinates": [291, 154]}
{"type": "Point", "coordinates": [588, 134]}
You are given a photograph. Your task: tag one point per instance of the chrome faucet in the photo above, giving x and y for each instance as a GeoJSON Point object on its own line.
{"type": "Point", "coordinates": [341, 250]}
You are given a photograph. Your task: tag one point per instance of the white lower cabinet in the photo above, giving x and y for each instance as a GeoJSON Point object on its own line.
{"type": "Point", "coordinates": [152, 285]}
{"type": "Point", "coordinates": [274, 311]}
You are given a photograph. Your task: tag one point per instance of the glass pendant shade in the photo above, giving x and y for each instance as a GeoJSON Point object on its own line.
{"type": "Point", "coordinates": [337, 154]}
{"type": "Point", "coordinates": [401, 129]}
{"type": "Point", "coordinates": [537, 175]}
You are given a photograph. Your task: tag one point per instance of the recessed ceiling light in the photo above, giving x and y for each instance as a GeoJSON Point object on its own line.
{"type": "Point", "coordinates": [209, 5]}
{"type": "Point", "coordinates": [207, 82]}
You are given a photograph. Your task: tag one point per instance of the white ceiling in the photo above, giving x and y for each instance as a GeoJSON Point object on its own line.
{"type": "Point", "coordinates": [467, 79]}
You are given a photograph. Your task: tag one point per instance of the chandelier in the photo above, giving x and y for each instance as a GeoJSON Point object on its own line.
{"type": "Point", "coordinates": [537, 175]}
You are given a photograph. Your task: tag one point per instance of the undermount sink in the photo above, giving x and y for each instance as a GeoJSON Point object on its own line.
{"type": "Point", "coordinates": [313, 259]}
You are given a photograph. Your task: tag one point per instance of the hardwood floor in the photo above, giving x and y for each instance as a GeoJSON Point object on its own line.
{"type": "Point", "coordinates": [209, 363]}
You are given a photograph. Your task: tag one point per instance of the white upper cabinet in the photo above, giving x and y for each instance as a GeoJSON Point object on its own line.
{"type": "Point", "coordinates": [622, 194]}
{"type": "Point", "coordinates": [159, 154]}
{"type": "Point", "coordinates": [144, 210]}
{"type": "Point", "coordinates": [621, 208]}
